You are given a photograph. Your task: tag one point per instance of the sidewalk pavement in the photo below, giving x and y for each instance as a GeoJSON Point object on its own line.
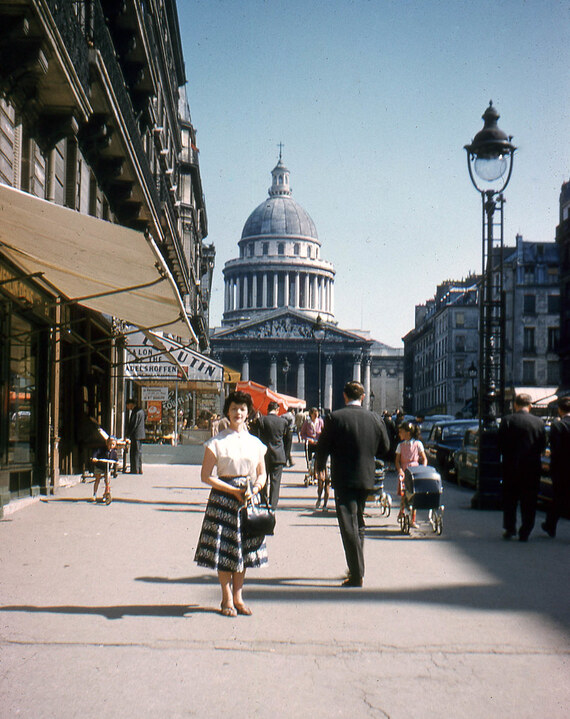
{"type": "Point", "coordinates": [103, 613]}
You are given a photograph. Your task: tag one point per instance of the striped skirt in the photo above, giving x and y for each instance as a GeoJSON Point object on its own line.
{"type": "Point", "coordinates": [221, 545]}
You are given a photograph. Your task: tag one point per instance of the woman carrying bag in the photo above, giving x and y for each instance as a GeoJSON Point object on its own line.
{"type": "Point", "coordinates": [239, 458]}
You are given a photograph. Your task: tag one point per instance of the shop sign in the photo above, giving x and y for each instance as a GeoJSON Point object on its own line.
{"type": "Point", "coordinates": [146, 361]}
{"type": "Point", "coordinates": [159, 394]}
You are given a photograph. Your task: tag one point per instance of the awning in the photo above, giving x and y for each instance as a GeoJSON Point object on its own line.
{"type": "Point", "coordinates": [262, 396]}
{"type": "Point", "coordinates": [541, 396]}
{"type": "Point", "coordinates": [106, 267]}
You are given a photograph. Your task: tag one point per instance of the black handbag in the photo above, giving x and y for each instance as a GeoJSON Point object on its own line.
{"type": "Point", "coordinates": [257, 517]}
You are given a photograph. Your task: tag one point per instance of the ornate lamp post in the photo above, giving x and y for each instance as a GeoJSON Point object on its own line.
{"type": "Point", "coordinates": [490, 163]}
{"type": "Point", "coordinates": [319, 333]}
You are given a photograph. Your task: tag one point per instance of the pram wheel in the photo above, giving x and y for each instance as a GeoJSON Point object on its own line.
{"type": "Point", "coordinates": [405, 523]}
{"type": "Point", "coordinates": [436, 520]}
{"type": "Point", "coordinates": [385, 504]}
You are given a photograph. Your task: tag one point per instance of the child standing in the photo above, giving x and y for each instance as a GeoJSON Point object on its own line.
{"type": "Point", "coordinates": [103, 469]}
{"type": "Point", "coordinates": [409, 453]}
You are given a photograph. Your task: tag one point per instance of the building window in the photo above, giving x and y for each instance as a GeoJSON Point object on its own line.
{"type": "Point", "coordinates": [309, 253]}
{"type": "Point", "coordinates": [250, 249]}
{"type": "Point", "coordinates": [529, 274]}
{"type": "Point", "coordinates": [553, 372]}
{"type": "Point", "coordinates": [297, 248]}
{"type": "Point", "coordinates": [529, 305]}
{"type": "Point", "coordinates": [281, 248]}
{"type": "Point", "coordinates": [529, 340]}
{"type": "Point", "coordinates": [460, 319]}
{"type": "Point", "coordinates": [460, 343]}
{"type": "Point", "coordinates": [528, 372]}
{"type": "Point", "coordinates": [553, 339]}
{"type": "Point", "coordinates": [553, 304]}
{"type": "Point", "coordinates": [266, 248]}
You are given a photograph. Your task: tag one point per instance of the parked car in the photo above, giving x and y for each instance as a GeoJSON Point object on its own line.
{"type": "Point", "coordinates": [466, 459]}
{"type": "Point", "coordinates": [429, 421]}
{"type": "Point", "coordinates": [444, 440]}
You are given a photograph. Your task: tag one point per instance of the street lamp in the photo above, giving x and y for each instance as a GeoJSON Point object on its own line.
{"type": "Point", "coordinates": [319, 335]}
{"type": "Point", "coordinates": [490, 159]}
{"type": "Point", "coordinates": [472, 374]}
{"type": "Point", "coordinates": [372, 395]}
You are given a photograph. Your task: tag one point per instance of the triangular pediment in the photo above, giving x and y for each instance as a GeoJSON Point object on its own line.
{"type": "Point", "coordinates": [288, 325]}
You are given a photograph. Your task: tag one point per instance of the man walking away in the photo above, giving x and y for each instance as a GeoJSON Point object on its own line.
{"type": "Point", "coordinates": [290, 417]}
{"type": "Point", "coordinates": [273, 432]}
{"type": "Point", "coordinates": [559, 468]}
{"type": "Point", "coordinates": [136, 433]}
{"type": "Point", "coordinates": [522, 439]}
{"type": "Point", "coordinates": [353, 437]}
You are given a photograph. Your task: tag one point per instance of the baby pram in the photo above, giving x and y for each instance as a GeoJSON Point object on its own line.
{"type": "Point", "coordinates": [381, 498]}
{"type": "Point", "coordinates": [422, 490]}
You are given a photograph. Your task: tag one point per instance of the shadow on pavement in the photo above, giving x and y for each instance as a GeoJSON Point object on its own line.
{"type": "Point", "coordinates": [118, 611]}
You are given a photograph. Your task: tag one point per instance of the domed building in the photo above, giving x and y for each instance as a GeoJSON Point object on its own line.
{"type": "Point", "coordinates": [279, 262]}
{"type": "Point", "coordinates": [278, 326]}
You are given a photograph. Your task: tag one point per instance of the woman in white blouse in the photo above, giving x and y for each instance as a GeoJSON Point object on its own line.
{"type": "Point", "coordinates": [237, 456]}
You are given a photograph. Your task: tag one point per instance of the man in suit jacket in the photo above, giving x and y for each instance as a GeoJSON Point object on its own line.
{"type": "Point", "coordinates": [136, 433]}
{"type": "Point", "coordinates": [353, 437]}
{"type": "Point", "coordinates": [273, 432]}
{"type": "Point", "coordinates": [559, 467]}
{"type": "Point", "coordinates": [522, 439]}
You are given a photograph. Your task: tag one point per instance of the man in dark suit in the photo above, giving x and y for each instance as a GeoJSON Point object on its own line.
{"type": "Point", "coordinates": [522, 439]}
{"type": "Point", "coordinates": [273, 432]}
{"type": "Point", "coordinates": [353, 437]}
{"type": "Point", "coordinates": [559, 467]}
{"type": "Point", "coordinates": [135, 432]}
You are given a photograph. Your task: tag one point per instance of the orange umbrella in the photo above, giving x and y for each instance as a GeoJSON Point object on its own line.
{"type": "Point", "coordinates": [262, 396]}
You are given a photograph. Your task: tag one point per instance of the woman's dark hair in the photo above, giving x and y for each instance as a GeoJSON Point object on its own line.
{"type": "Point", "coordinates": [238, 397]}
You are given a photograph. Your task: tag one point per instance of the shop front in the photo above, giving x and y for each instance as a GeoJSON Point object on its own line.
{"type": "Point", "coordinates": [179, 388]}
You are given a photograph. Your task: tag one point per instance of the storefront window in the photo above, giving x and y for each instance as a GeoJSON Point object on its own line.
{"type": "Point", "coordinates": [21, 394]}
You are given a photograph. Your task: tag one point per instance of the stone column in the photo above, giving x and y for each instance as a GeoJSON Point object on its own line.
{"type": "Point", "coordinates": [328, 397]}
{"type": "Point", "coordinates": [301, 376]}
{"type": "Point", "coordinates": [307, 294]}
{"type": "Point", "coordinates": [366, 382]}
{"type": "Point", "coordinates": [245, 367]}
{"type": "Point", "coordinates": [356, 360]}
{"type": "Point", "coordinates": [315, 302]}
{"type": "Point", "coordinates": [275, 289]}
{"type": "Point", "coordinates": [254, 290]}
{"type": "Point", "coordinates": [273, 373]}
{"type": "Point", "coordinates": [296, 298]}
{"type": "Point", "coordinates": [286, 289]}
{"type": "Point", "coordinates": [265, 302]}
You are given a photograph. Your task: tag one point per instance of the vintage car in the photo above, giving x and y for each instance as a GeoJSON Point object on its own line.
{"type": "Point", "coordinates": [444, 440]}
{"type": "Point", "coordinates": [466, 458]}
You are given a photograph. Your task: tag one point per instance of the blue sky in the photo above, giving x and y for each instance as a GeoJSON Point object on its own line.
{"type": "Point", "coordinates": [374, 102]}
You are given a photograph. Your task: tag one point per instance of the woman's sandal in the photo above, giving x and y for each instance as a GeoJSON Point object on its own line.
{"type": "Point", "coordinates": [243, 609]}
{"type": "Point", "coordinates": [228, 611]}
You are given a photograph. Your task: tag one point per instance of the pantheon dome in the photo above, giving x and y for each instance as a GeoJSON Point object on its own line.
{"type": "Point", "coordinates": [279, 264]}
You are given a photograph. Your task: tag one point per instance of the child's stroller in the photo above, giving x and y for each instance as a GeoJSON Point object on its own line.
{"type": "Point", "coordinates": [422, 490]}
{"type": "Point", "coordinates": [381, 498]}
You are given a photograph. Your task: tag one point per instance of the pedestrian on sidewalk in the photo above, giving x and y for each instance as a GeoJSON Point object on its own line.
{"type": "Point", "coordinates": [522, 439]}
{"type": "Point", "coordinates": [353, 437]}
{"type": "Point", "coordinates": [273, 431]}
{"type": "Point", "coordinates": [559, 468]}
{"type": "Point", "coordinates": [136, 433]}
{"type": "Point", "coordinates": [288, 439]}
{"type": "Point", "coordinates": [238, 457]}
{"type": "Point", "coordinates": [409, 453]}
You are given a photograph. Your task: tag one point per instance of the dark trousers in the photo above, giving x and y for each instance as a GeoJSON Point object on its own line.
{"type": "Point", "coordinates": [349, 505]}
{"type": "Point", "coordinates": [288, 442]}
{"type": "Point", "coordinates": [560, 505]}
{"type": "Point", "coordinates": [136, 456]}
{"type": "Point", "coordinates": [274, 473]}
{"type": "Point", "coordinates": [524, 490]}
